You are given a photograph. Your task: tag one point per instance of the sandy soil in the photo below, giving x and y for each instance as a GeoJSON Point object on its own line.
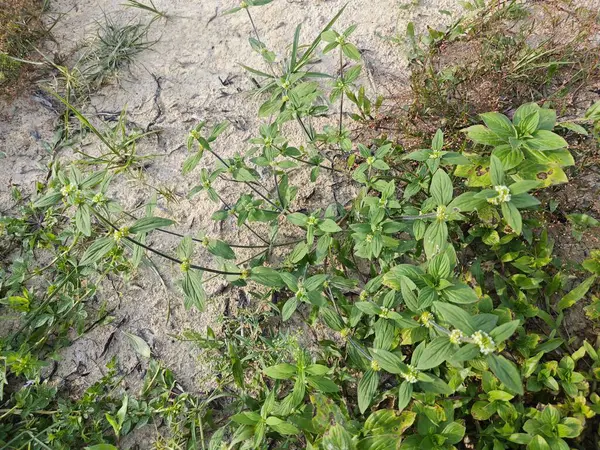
{"type": "Point", "coordinates": [191, 74]}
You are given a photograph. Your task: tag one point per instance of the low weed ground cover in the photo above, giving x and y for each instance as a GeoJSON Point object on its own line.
{"type": "Point", "coordinates": [20, 28]}
{"type": "Point", "coordinates": [434, 301]}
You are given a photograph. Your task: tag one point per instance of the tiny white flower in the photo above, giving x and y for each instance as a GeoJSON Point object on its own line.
{"type": "Point", "coordinates": [503, 195]}
{"type": "Point", "coordinates": [426, 319]}
{"type": "Point", "coordinates": [440, 213]}
{"type": "Point", "coordinates": [411, 375]}
{"type": "Point", "coordinates": [484, 341]}
{"type": "Point", "coordinates": [456, 336]}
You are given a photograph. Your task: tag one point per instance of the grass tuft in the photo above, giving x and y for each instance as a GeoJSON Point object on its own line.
{"type": "Point", "coordinates": [114, 48]}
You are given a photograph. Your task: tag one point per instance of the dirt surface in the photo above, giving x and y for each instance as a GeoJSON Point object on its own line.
{"type": "Point", "coordinates": [191, 74]}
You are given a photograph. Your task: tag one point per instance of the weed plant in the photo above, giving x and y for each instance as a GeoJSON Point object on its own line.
{"type": "Point", "coordinates": [434, 303]}
{"type": "Point", "coordinates": [509, 56]}
{"type": "Point", "coordinates": [20, 28]}
{"type": "Point", "coordinates": [114, 48]}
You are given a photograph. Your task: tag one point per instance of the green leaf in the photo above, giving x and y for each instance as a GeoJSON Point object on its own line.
{"type": "Point", "coordinates": [317, 369]}
{"type": "Point", "coordinates": [49, 199]}
{"type": "Point", "coordinates": [281, 427]}
{"type": "Point", "coordinates": [438, 141]}
{"type": "Point", "coordinates": [441, 188]}
{"type": "Point", "coordinates": [546, 140]}
{"type": "Point", "coordinates": [220, 249]}
{"type": "Point", "coordinates": [289, 308]}
{"type": "Point", "coordinates": [482, 135]}
{"type": "Point", "coordinates": [547, 119]}
{"type": "Point", "coordinates": [482, 410]}
{"type": "Point", "coordinates": [496, 171]}
{"type": "Point", "coordinates": [404, 395]}
{"type": "Point", "coordinates": [466, 202]}
{"type": "Point", "coordinates": [538, 443]}
{"type": "Point", "coordinates": [500, 395]}
{"type": "Point", "coordinates": [436, 352]}
{"type": "Point", "coordinates": [527, 119]}
{"type": "Point", "coordinates": [455, 316]}
{"type": "Point", "coordinates": [102, 447]}
{"type": "Point", "coordinates": [520, 438]}
{"type": "Point", "coordinates": [504, 331]}
{"type": "Point", "coordinates": [322, 384]}
{"type": "Point", "coordinates": [191, 162]}
{"type": "Point", "coordinates": [409, 297]}
{"type": "Point", "coordinates": [328, 226]}
{"type": "Point", "coordinates": [193, 290]}
{"type": "Point", "coordinates": [576, 294]}
{"type": "Point", "coordinates": [331, 318]}
{"type": "Point", "coordinates": [574, 127]}
{"type": "Point", "coordinates": [454, 432]}
{"type": "Point", "coordinates": [297, 219]}
{"type": "Point", "coordinates": [315, 282]}
{"type": "Point", "coordinates": [460, 293]}
{"type": "Point", "coordinates": [368, 308]}
{"type": "Point", "coordinates": [283, 371]}
{"type": "Point", "coordinates": [499, 125]}
{"type": "Point", "coordinates": [569, 427]}
{"type": "Point", "coordinates": [523, 186]}
{"type": "Point", "coordinates": [246, 418]}
{"type": "Point", "coordinates": [367, 387]}
{"type": "Point", "coordinates": [523, 201]}
{"type": "Point", "coordinates": [83, 220]}
{"type": "Point", "coordinates": [510, 157]}
{"type": "Point", "coordinates": [338, 438]}
{"type": "Point", "coordinates": [351, 51]}
{"type": "Point", "coordinates": [388, 361]}
{"type": "Point", "coordinates": [436, 238]}
{"type": "Point", "coordinates": [146, 224]}
{"type": "Point", "coordinates": [216, 439]}
{"type": "Point", "coordinates": [512, 216]}
{"type": "Point", "coordinates": [232, 10]}
{"type": "Point", "coordinates": [139, 345]}
{"type": "Point", "coordinates": [97, 250]}
{"type": "Point", "coordinates": [593, 113]}
{"type": "Point", "coordinates": [266, 276]}
{"type": "Point", "coordinates": [309, 53]}
{"type": "Point", "coordinates": [506, 371]}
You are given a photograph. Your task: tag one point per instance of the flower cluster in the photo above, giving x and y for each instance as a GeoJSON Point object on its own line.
{"type": "Point", "coordinates": [67, 189]}
{"type": "Point", "coordinates": [411, 375]}
{"type": "Point", "coordinates": [484, 341]}
{"type": "Point", "coordinates": [426, 319]}
{"type": "Point", "coordinates": [118, 235]}
{"type": "Point", "coordinates": [502, 197]}
{"type": "Point", "coordinates": [456, 336]}
{"type": "Point", "coordinates": [440, 213]}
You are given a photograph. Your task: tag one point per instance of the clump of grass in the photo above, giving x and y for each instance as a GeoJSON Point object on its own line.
{"type": "Point", "coordinates": [115, 48]}
{"type": "Point", "coordinates": [503, 56]}
{"type": "Point", "coordinates": [20, 28]}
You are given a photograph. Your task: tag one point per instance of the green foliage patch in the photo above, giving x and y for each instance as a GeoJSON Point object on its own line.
{"type": "Point", "coordinates": [434, 299]}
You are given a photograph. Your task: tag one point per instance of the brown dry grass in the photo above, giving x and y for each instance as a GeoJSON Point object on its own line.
{"type": "Point", "coordinates": [20, 27]}
{"type": "Point", "coordinates": [547, 52]}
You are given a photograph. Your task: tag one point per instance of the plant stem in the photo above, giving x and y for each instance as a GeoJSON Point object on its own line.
{"type": "Point", "coordinates": [255, 233]}
{"type": "Point", "coordinates": [245, 182]}
{"type": "Point", "coordinates": [158, 252]}
{"type": "Point", "coordinates": [259, 40]}
{"type": "Point", "coordinates": [240, 263]}
{"type": "Point", "coordinates": [333, 169]}
{"type": "Point", "coordinates": [341, 96]}
{"type": "Point", "coordinates": [253, 25]}
{"type": "Point", "coordinates": [233, 245]}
